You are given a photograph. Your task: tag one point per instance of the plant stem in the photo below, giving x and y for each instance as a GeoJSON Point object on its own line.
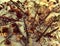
{"type": "Point", "coordinates": [51, 31]}
{"type": "Point", "coordinates": [43, 33]}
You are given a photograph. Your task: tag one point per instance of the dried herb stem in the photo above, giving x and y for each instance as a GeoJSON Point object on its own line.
{"type": "Point", "coordinates": [6, 38]}
{"type": "Point", "coordinates": [8, 19]}
{"type": "Point", "coordinates": [51, 32]}
{"type": "Point", "coordinates": [43, 33]}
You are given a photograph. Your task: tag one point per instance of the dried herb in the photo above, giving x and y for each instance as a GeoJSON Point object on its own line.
{"type": "Point", "coordinates": [9, 36]}
{"type": "Point", "coordinates": [7, 42]}
{"type": "Point", "coordinates": [51, 32]}
{"type": "Point", "coordinates": [52, 20]}
{"type": "Point", "coordinates": [5, 30]}
{"type": "Point", "coordinates": [20, 14]}
{"type": "Point", "coordinates": [43, 32]}
{"type": "Point", "coordinates": [6, 19]}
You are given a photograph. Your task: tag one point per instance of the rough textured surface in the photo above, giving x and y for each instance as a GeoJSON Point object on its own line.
{"type": "Point", "coordinates": [45, 41]}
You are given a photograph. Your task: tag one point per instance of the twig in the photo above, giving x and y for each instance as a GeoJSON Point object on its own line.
{"type": "Point", "coordinates": [43, 32]}
{"type": "Point", "coordinates": [6, 38]}
{"type": "Point", "coordinates": [26, 31]}
{"type": "Point", "coordinates": [45, 29]}
{"type": "Point", "coordinates": [17, 31]}
{"type": "Point", "coordinates": [51, 32]}
{"type": "Point", "coordinates": [24, 21]}
{"type": "Point", "coordinates": [8, 19]}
